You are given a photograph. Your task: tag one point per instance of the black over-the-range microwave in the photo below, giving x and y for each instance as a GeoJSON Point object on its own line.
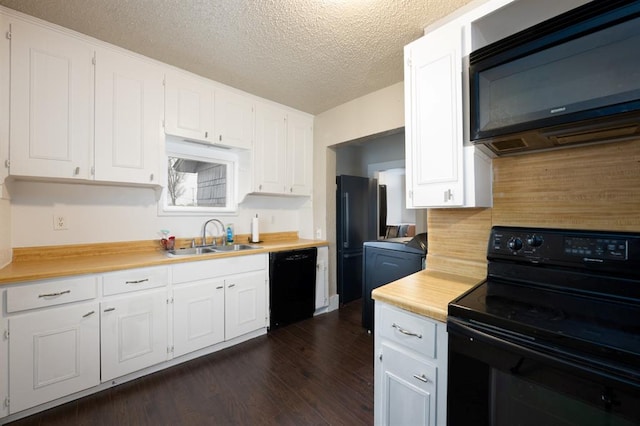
{"type": "Point", "coordinates": [572, 79]}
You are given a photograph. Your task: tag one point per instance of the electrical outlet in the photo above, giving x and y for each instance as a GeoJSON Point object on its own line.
{"type": "Point", "coordinates": [319, 233]}
{"type": "Point", "coordinates": [59, 222]}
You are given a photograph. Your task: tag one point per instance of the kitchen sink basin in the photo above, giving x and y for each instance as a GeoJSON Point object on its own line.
{"type": "Point", "coordinates": [236, 247]}
{"type": "Point", "coordinates": [194, 251]}
{"type": "Point", "coordinates": [190, 251]}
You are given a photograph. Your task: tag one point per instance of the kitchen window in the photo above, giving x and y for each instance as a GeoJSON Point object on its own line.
{"type": "Point", "coordinates": [199, 179]}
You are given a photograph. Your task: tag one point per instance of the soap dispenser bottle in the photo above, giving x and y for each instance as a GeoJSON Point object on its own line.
{"type": "Point", "coordinates": [230, 233]}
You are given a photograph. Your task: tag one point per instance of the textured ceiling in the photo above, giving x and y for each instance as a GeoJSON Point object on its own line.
{"type": "Point", "coordinates": [309, 54]}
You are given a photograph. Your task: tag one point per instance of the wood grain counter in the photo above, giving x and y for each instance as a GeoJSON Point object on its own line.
{"type": "Point", "coordinates": [59, 261]}
{"type": "Point", "coordinates": [425, 293]}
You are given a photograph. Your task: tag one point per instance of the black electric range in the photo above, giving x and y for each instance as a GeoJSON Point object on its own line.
{"type": "Point", "coordinates": [566, 299]}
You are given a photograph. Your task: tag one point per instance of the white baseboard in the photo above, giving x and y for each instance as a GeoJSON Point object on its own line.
{"type": "Point", "coordinates": [334, 303]}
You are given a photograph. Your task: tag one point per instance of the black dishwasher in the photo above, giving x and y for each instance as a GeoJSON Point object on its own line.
{"type": "Point", "coordinates": [292, 286]}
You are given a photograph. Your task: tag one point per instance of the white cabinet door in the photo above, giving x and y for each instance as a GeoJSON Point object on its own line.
{"type": "Point", "coordinates": [129, 98]}
{"type": "Point", "coordinates": [4, 97]}
{"type": "Point", "coordinates": [133, 333]}
{"type": "Point", "coordinates": [245, 303]}
{"type": "Point", "coordinates": [51, 131]}
{"type": "Point", "coordinates": [433, 103]}
{"type": "Point", "coordinates": [53, 353]}
{"type": "Point", "coordinates": [270, 150]}
{"type": "Point", "coordinates": [198, 316]}
{"type": "Point", "coordinates": [299, 155]}
{"type": "Point", "coordinates": [408, 389]}
{"type": "Point", "coordinates": [188, 107]}
{"type": "Point", "coordinates": [233, 119]}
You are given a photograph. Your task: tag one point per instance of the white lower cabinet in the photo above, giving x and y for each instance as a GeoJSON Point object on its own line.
{"type": "Point", "coordinates": [245, 304]}
{"type": "Point", "coordinates": [133, 333]}
{"type": "Point", "coordinates": [410, 369]}
{"type": "Point", "coordinates": [218, 300]}
{"type": "Point", "coordinates": [76, 334]}
{"type": "Point", "coordinates": [53, 353]}
{"type": "Point", "coordinates": [409, 388]}
{"type": "Point", "coordinates": [198, 316]}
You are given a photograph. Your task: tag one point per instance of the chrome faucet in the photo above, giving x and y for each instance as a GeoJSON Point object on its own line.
{"type": "Point", "coordinates": [204, 231]}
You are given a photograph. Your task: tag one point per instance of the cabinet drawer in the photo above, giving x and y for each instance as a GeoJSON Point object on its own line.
{"type": "Point", "coordinates": [134, 280]}
{"type": "Point", "coordinates": [410, 330]}
{"type": "Point", "coordinates": [202, 270]}
{"type": "Point", "coordinates": [51, 293]}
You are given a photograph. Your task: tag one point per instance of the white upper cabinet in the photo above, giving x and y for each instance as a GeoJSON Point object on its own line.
{"type": "Point", "coordinates": [283, 152]}
{"type": "Point", "coordinates": [270, 154]}
{"type": "Point", "coordinates": [441, 170]}
{"type": "Point", "coordinates": [4, 98]}
{"type": "Point", "coordinates": [51, 130]}
{"type": "Point", "coordinates": [299, 154]}
{"type": "Point", "coordinates": [198, 110]}
{"type": "Point", "coordinates": [188, 107]}
{"type": "Point", "coordinates": [128, 137]}
{"type": "Point", "coordinates": [233, 118]}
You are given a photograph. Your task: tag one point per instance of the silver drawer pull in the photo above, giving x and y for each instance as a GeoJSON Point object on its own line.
{"type": "Point", "coordinates": [137, 282]}
{"type": "Point", "coordinates": [219, 287]}
{"type": "Point", "coordinates": [231, 285]}
{"type": "Point", "coordinates": [110, 309]}
{"type": "Point", "coordinates": [55, 294]}
{"type": "Point", "coordinates": [88, 314]}
{"type": "Point", "coordinates": [421, 377]}
{"type": "Point", "coordinates": [407, 332]}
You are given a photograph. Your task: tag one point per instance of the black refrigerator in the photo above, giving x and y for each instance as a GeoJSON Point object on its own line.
{"type": "Point", "coordinates": [356, 222]}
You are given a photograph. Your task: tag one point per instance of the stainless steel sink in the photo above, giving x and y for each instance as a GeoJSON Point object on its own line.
{"type": "Point", "coordinates": [193, 251]}
{"type": "Point", "coordinates": [236, 247]}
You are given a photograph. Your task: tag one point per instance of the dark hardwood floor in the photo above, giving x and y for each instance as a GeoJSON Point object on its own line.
{"type": "Point", "coordinates": [315, 372]}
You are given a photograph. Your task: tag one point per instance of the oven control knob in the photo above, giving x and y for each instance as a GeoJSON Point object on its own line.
{"type": "Point", "coordinates": [534, 240]}
{"type": "Point", "coordinates": [515, 244]}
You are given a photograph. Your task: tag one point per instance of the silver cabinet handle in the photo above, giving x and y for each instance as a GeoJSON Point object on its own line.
{"type": "Point", "coordinates": [407, 332]}
{"type": "Point", "coordinates": [109, 309]}
{"type": "Point", "coordinates": [137, 282]}
{"type": "Point", "coordinates": [151, 177]}
{"type": "Point", "coordinates": [88, 314]}
{"type": "Point", "coordinates": [76, 171]}
{"type": "Point", "coordinates": [421, 377]}
{"type": "Point", "coordinates": [60, 293]}
{"type": "Point", "coordinates": [231, 285]}
{"type": "Point", "coordinates": [219, 287]}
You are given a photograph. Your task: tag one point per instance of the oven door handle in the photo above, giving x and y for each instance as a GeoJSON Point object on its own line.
{"type": "Point", "coordinates": [564, 359]}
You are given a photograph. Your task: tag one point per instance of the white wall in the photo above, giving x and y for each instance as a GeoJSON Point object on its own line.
{"type": "Point", "coordinates": [377, 112]}
{"type": "Point", "coordinates": [97, 213]}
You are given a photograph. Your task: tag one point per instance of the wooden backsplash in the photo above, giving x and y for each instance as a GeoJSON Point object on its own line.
{"type": "Point", "coordinates": [587, 187]}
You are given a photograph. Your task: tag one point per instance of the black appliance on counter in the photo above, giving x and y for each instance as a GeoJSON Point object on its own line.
{"type": "Point", "coordinates": [386, 261]}
{"type": "Point", "coordinates": [356, 222]}
{"type": "Point", "coordinates": [552, 336]}
{"type": "Point", "coordinates": [292, 286]}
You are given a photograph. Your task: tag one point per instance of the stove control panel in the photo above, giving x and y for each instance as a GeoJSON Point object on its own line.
{"type": "Point", "coordinates": [542, 245]}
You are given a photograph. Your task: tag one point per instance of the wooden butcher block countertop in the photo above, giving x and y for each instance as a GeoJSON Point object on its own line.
{"type": "Point", "coordinates": [425, 293]}
{"type": "Point", "coordinates": [36, 263]}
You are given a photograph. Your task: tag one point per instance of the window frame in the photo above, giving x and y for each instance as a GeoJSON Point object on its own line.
{"type": "Point", "coordinates": [206, 153]}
